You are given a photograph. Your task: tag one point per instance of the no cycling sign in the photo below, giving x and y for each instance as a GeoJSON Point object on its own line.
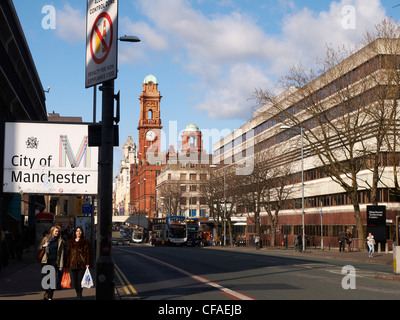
{"type": "Point", "coordinates": [101, 41]}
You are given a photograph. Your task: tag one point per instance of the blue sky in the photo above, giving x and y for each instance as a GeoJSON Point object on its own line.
{"type": "Point", "coordinates": [208, 56]}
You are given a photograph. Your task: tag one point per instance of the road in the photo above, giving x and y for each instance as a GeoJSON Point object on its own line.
{"type": "Point", "coordinates": [181, 273]}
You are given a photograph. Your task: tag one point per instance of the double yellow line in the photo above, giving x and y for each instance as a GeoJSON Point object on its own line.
{"type": "Point", "coordinates": [128, 288]}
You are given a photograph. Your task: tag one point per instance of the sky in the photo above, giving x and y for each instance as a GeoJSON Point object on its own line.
{"type": "Point", "coordinates": [208, 56]}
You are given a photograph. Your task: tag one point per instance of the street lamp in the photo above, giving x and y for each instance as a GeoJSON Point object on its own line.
{"type": "Point", "coordinates": [284, 127]}
{"type": "Point", "coordinates": [105, 287]}
{"type": "Point", "coordinates": [129, 39]}
{"type": "Point", "coordinates": [122, 39]}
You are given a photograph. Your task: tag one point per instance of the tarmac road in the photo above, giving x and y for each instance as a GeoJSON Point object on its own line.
{"type": "Point", "coordinates": [180, 273]}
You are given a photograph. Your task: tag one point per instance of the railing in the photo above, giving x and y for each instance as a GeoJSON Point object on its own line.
{"type": "Point", "coordinates": [312, 243]}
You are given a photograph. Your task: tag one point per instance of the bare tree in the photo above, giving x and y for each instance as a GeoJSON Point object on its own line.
{"type": "Point", "coordinates": [384, 113]}
{"type": "Point", "coordinates": [278, 190]}
{"type": "Point", "coordinates": [171, 194]}
{"type": "Point", "coordinates": [347, 113]}
{"type": "Point", "coordinates": [212, 193]}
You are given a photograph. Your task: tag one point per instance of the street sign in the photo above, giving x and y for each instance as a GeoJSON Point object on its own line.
{"type": "Point", "coordinates": [101, 41]}
{"type": "Point", "coordinates": [49, 158]}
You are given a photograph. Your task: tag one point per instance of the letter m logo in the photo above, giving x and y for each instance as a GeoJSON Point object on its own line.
{"type": "Point", "coordinates": [75, 159]}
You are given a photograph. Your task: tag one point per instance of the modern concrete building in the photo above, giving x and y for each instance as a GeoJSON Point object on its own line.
{"type": "Point", "coordinates": [350, 90]}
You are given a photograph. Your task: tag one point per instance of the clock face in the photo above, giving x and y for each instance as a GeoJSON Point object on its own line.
{"type": "Point", "coordinates": [150, 135]}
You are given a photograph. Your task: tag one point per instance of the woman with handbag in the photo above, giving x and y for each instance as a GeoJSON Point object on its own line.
{"type": "Point", "coordinates": [370, 243]}
{"type": "Point", "coordinates": [53, 255]}
{"type": "Point", "coordinates": [78, 259]}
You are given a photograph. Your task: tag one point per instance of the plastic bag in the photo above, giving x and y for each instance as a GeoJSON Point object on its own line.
{"type": "Point", "coordinates": [87, 281]}
{"type": "Point", "coordinates": [66, 279]}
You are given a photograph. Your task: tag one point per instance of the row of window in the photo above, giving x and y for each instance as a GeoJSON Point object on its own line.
{"type": "Point", "coordinates": [339, 199]}
{"type": "Point", "coordinates": [379, 62]}
{"type": "Point", "coordinates": [192, 201]}
{"type": "Point", "coordinates": [194, 213]}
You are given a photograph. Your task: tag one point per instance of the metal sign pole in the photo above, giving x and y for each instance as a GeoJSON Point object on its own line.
{"type": "Point", "coordinates": [105, 286]}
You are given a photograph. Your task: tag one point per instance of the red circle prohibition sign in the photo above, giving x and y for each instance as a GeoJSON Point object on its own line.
{"type": "Point", "coordinates": [102, 40]}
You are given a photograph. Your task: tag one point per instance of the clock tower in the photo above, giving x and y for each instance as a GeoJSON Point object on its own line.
{"type": "Point", "coordinates": [150, 120]}
{"type": "Point", "coordinates": [144, 172]}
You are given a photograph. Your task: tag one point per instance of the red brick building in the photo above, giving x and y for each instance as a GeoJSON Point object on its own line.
{"type": "Point", "coordinates": [144, 172]}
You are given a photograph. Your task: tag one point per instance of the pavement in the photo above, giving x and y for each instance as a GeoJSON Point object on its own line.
{"type": "Point", "coordinates": [21, 280]}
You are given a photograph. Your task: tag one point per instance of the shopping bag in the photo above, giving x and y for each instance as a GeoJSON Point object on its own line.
{"type": "Point", "coordinates": [40, 255]}
{"type": "Point", "coordinates": [66, 279]}
{"type": "Point", "coordinates": [87, 281]}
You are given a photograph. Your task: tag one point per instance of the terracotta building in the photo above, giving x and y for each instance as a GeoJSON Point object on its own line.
{"type": "Point", "coordinates": [328, 208]}
{"type": "Point", "coordinates": [144, 172]}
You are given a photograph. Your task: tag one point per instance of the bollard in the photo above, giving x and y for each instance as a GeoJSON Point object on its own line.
{"type": "Point", "coordinates": [396, 259]}
{"type": "Point", "coordinates": [379, 247]}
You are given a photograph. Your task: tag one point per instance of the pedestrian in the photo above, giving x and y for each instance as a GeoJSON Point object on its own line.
{"type": "Point", "coordinates": [78, 259]}
{"type": "Point", "coordinates": [257, 241]}
{"type": "Point", "coordinates": [296, 243]}
{"type": "Point", "coordinates": [370, 243]}
{"type": "Point", "coordinates": [342, 241]}
{"type": "Point", "coordinates": [349, 239]}
{"type": "Point", "coordinates": [300, 242]}
{"type": "Point", "coordinates": [53, 254]}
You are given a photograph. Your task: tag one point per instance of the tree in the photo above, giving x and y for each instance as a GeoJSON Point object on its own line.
{"type": "Point", "coordinates": [278, 189]}
{"type": "Point", "coordinates": [385, 112]}
{"type": "Point", "coordinates": [171, 194]}
{"type": "Point", "coordinates": [347, 113]}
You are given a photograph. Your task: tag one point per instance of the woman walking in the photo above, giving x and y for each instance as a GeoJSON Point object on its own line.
{"type": "Point", "coordinates": [53, 254]}
{"type": "Point", "coordinates": [78, 259]}
{"type": "Point", "coordinates": [370, 243]}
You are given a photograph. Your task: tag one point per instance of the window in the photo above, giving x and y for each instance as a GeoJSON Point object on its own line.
{"type": "Point", "coordinates": [193, 176]}
{"type": "Point", "coordinates": [192, 212]}
{"type": "Point", "coordinates": [65, 213]}
{"type": "Point", "coordinates": [183, 176]}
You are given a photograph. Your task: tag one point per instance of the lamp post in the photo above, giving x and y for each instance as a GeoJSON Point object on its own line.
{"type": "Point", "coordinates": [105, 286]}
{"type": "Point", "coordinates": [302, 180]}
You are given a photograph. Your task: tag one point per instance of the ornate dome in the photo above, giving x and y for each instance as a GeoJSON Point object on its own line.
{"type": "Point", "coordinates": [192, 127]}
{"type": "Point", "coordinates": [150, 78]}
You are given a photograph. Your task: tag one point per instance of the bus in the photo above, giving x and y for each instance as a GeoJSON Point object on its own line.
{"type": "Point", "coordinates": [192, 227]}
{"type": "Point", "coordinates": [159, 231]}
{"type": "Point", "coordinates": [176, 232]}
{"type": "Point", "coordinates": [137, 235]}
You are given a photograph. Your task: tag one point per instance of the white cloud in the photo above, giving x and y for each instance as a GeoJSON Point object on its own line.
{"type": "Point", "coordinates": [305, 33]}
{"type": "Point", "coordinates": [229, 97]}
{"type": "Point", "coordinates": [231, 54]}
{"type": "Point", "coordinates": [70, 24]}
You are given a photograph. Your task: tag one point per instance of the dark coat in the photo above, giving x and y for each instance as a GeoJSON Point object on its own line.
{"type": "Point", "coordinates": [78, 254]}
